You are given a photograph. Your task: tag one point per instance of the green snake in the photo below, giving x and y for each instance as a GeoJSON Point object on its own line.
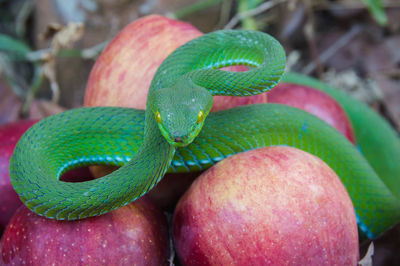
{"type": "Point", "coordinates": [177, 134]}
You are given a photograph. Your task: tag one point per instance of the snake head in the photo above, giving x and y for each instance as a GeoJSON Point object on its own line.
{"type": "Point", "coordinates": [180, 112]}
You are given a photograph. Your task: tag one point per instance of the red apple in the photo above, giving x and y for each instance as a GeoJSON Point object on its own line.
{"type": "Point", "coordinates": [315, 102]}
{"type": "Point", "coordinates": [136, 234]}
{"type": "Point", "coordinates": [123, 72]}
{"type": "Point", "coordinates": [9, 136]}
{"type": "Point", "coordinates": [274, 205]}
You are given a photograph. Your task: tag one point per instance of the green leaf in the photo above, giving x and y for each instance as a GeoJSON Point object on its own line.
{"type": "Point", "coordinates": [377, 11]}
{"type": "Point", "coordinates": [9, 44]}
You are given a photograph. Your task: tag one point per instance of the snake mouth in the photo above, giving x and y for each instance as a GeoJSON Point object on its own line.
{"type": "Point", "coordinates": [179, 144]}
{"type": "Point", "coordinates": [180, 141]}
{"type": "Point", "coordinates": [176, 140]}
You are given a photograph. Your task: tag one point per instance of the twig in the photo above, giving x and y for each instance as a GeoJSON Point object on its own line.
{"type": "Point", "coordinates": [252, 12]}
{"type": "Point", "coordinates": [393, 73]}
{"type": "Point", "coordinates": [94, 51]}
{"type": "Point", "coordinates": [30, 96]}
{"type": "Point", "coordinates": [345, 5]}
{"type": "Point", "coordinates": [328, 53]}
{"type": "Point", "coordinates": [224, 14]}
{"type": "Point", "coordinates": [22, 16]}
{"type": "Point", "coordinates": [88, 53]}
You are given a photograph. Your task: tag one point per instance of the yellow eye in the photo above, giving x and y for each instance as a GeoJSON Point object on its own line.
{"type": "Point", "coordinates": [158, 117]}
{"type": "Point", "coordinates": [200, 117]}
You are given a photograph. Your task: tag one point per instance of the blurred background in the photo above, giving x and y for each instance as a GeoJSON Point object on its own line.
{"type": "Point", "coordinates": [47, 48]}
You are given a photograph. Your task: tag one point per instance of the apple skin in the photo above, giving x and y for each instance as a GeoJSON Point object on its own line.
{"type": "Point", "coordinates": [136, 234]}
{"type": "Point", "coordinates": [274, 205]}
{"type": "Point", "coordinates": [315, 102]}
{"type": "Point", "coordinates": [123, 72]}
{"type": "Point", "coordinates": [10, 133]}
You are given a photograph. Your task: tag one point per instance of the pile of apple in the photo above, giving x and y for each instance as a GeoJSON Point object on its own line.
{"type": "Point", "coordinates": [274, 205]}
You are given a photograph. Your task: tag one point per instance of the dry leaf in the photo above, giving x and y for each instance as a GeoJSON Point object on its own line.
{"type": "Point", "coordinates": [367, 260]}
{"type": "Point", "coordinates": [62, 37]}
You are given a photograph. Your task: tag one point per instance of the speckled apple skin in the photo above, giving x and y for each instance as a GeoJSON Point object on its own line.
{"type": "Point", "coordinates": [9, 136]}
{"type": "Point", "coordinates": [123, 72]}
{"type": "Point", "coordinates": [315, 102]}
{"type": "Point", "coordinates": [270, 206]}
{"type": "Point", "coordinates": [136, 234]}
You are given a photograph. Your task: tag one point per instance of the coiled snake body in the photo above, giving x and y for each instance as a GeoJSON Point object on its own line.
{"type": "Point", "coordinates": [180, 98]}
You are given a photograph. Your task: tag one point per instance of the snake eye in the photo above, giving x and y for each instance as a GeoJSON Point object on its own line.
{"type": "Point", "coordinates": [200, 117]}
{"type": "Point", "coordinates": [158, 117]}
